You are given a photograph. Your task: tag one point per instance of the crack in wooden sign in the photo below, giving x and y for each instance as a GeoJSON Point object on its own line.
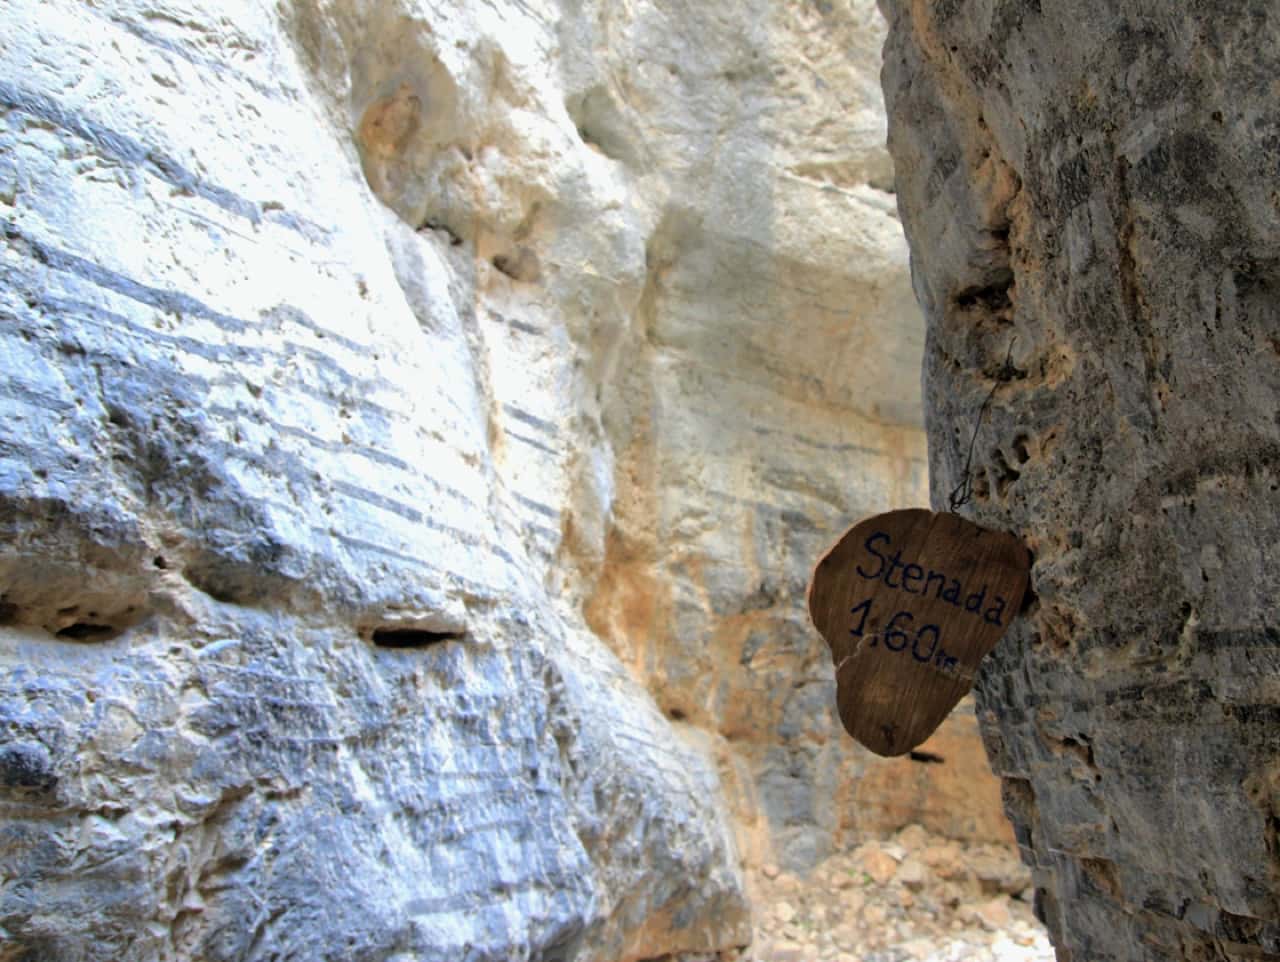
{"type": "Point", "coordinates": [910, 602]}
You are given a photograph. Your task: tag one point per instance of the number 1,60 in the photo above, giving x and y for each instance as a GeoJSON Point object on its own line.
{"type": "Point", "coordinates": [896, 637]}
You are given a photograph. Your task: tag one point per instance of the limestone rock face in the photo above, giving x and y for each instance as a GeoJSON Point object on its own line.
{"type": "Point", "coordinates": [1090, 190]}
{"type": "Point", "coordinates": [421, 417]}
{"type": "Point", "coordinates": [283, 474]}
{"type": "Point", "coordinates": [762, 397]}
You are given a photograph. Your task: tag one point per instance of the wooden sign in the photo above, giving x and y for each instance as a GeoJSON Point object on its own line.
{"type": "Point", "coordinates": [910, 602]}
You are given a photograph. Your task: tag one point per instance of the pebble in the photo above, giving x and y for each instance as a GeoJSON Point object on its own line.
{"type": "Point", "coordinates": [943, 859]}
{"type": "Point", "coordinates": [913, 837]}
{"type": "Point", "coordinates": [994, 915]}
{"type": "Point", "coordinates": [913, 874]}
{"type": "Point", "coordinates": [847, 935]}
{"type": "Point", "coordinates": [919, 948]}
{"type": "Point", "coordinates": [790, 953]}
{"type": "Point", "coordinates": [879, 864]}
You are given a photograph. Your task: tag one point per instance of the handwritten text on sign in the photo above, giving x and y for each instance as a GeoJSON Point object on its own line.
{"type": "Point", "coordinates": [915, 579]}
{"type": "Point", "coordinates": [910, 602]}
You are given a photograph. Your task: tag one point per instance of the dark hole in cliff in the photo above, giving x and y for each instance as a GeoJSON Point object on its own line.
{"type": "Point", "coordinates": [1082, 748]}
{"type": "Point", "coordinates": [521, 265]}
{"type": "Point", "coordinates": [8, 613]}
{"type": "Point", "coordinates": [87, 631]}
{"type": "Point", "coordinates": [455, 239]}
{"type": "Point", "coordinates": [676, 714]}
{"type": "Point", "coordinates": [411, 637]}
{"type": "Point", "coordinates": [506, 266]}
{"type": "Point", "coordinates": [993, 297]}
{"type": "Point", "coordinates": [159, 562]}
{"type": "Point", "coordinates": [928, 758]}
{"type": "Point", "coordinates": [1030, 600]}
{"type": "Point", "coordinates": [1020, 450]}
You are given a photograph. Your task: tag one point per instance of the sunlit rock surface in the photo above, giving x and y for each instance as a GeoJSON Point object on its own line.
{"type": "Point", "coordinates": [1090, 189]}
{"type": "Point", "coordinates": [420, 419]}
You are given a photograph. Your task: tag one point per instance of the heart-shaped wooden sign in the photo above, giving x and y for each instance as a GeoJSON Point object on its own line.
{"type": "Point", "coordinates": [910, 602]}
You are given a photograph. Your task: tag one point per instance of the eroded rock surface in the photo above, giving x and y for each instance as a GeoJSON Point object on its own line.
{"type": "Point", "coordinates": [1090, 190]}
{"type": "Point", "coordinates": [281, 484]}
{"type": "Point", "coordinates": [420, 421]}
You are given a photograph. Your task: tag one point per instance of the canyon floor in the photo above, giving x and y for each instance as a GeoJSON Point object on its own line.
{"type": "Point", "coordinates": [915, 896]}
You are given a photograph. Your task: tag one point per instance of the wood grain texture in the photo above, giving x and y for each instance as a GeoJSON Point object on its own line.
{"type": "Point", "coordinates": [909, 603]}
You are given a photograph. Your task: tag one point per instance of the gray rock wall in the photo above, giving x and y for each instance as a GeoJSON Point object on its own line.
{"type": "Point", "coordinates": [1095, 184]}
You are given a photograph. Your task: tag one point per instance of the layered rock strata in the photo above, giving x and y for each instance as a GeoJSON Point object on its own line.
{"type": "Point", "coordinates": [397, 394]}
{"type": "Point", "coordinates": [1090, 192]}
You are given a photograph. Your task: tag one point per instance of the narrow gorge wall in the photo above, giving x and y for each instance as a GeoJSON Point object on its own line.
{"type": "Point", "coordinates": [1090, 189]}
{"type": "Point", "coordinates": [420, 419]}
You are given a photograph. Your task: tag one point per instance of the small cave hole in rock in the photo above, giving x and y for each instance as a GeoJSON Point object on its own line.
{"type": "Point", "coordinates": [1020, 450]}
{"type": "Point", "coordinates": [521, 265]}
{"type": "Point", "coordinates": [455, 239]}
{"type": "Point", "coordinates": [927, 758]}
{"type": "Point", "coordinates": [411, 637]}
{"type": "Point", "coordinates": [993, 298]}
{"type": "Point", "coordinates": [504, 265]}
{"type": "Point", "coordinates": [87, 631]}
